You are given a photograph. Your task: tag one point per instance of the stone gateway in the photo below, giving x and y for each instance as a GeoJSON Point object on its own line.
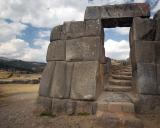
{"type": "Point", "coordinates": [79, 79]}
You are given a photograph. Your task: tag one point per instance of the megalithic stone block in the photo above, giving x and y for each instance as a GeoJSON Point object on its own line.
{"type": "Point", "coordinates": [45, 82]}
{"type": "Point", "coordinates": [84, 85]}
{"type": "Point", "coordinates": [157, 22]}
{"type": "Point", "coordinates": [77, 29]}
{"type": "Point", "coordinates": [83, 49]}
{"type": "Point", "coordinates": [157, 50]}
{"type": "Point", "coordinates": [143, 29]}
{"type": "Point", "coordinates": [58, 86]}
{"type": "Point", "coordinates": [146, 78]}
{"type": "Point", "coordinates": [145, 51]}
{"type": "Point", "coordinates": [158, 77]}
{"type": "Point", "coordinates": [57, 33]}
{"type": "Point", "coordinates": [56, 51]}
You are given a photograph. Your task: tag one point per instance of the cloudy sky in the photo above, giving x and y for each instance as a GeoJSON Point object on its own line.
{"type": "Point", "coordinates": [25, 26]}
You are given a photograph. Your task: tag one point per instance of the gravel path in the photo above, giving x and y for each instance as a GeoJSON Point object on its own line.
{"type": "Point", "coordinates": [17, 111]}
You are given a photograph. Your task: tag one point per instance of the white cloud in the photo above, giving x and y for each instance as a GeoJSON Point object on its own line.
{"type": "Point", "coordinates": [9, 31]}
{"type": "Point", "coordinates": [43, 34]}
{"type": "Point", "coordinates": [119, 30]}
{"type": "Point", "coordinates": [117, 50]}
{"type": "Point", "coordinates": [19, 49]}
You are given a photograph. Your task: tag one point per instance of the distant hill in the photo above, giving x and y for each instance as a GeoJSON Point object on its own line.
{"type": "Point", "coordinates": [19, 65]}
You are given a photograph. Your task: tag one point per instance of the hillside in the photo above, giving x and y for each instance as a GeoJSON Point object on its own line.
{"type": "Point", "coordinates": [19, 65]}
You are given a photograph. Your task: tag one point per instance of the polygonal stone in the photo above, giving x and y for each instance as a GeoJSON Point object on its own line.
{"type": "Point", "coordinates": [117, 15]}
{"type": "Point", "coordinates": [44, 104]}
{"type": "Point", "coordinates": [158, 77]}
{"type": "Point", "coordinates": [56, 50]}
{"type": "Point", "coordinates": [157, 50]}
{"type": "Point", "coordinates": [85, 108]}
{"type": "Point", "coordinates": [93, 28]}
{"type": "Point", "coordinates": [84, 84]}
{"type": "Point", "coordinates": [56, 33]}
{"type": "Point", "coordinates": [74, 29]}
{"type": "Point", "coordinates": [146, 78]}
{"type": "Point", "coordinates": [145, 51]}
{"type": "Point", "coordinates": [148, 104]}
{"type": "Point", "coordinates": [157, 22]}
{"type": "Point", "coordinates": [143, 29]}
{"type": "Point", "coordinates": [83, 49]}
{"type": "Point", "coordinates": [58, 86]}
{"type": "Point", "coordinates": [92, 13]}
{"type": "Point", "coordinates": [45, 82]}
{"type": "Point", "coordinates": [59, 106]}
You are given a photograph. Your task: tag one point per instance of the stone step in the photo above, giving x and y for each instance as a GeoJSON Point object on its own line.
{"type": "Point", "coordinates": [120, 82]}
{"type": "Point", "coordinates": [115, 88]}
{"type": "Point", "coordinates": [112, 120]}
{"type": "Point", "coordinates": [122, 77]}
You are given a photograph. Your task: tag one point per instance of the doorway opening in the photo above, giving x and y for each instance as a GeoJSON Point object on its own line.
{"type": "Point", "coordinates": [116, 43]}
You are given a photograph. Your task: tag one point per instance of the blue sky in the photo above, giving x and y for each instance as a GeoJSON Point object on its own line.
{"type": "Point", "coordinates": [26, 25]}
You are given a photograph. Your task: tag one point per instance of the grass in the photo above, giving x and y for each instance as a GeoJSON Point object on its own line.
{"type": "Point", "coordinates": [47, 114]}
{"type": "Point", "coordinates": [10, 89]}
{"type": "Point", "coordinates": [5, 74]}
{"type": "Point", "coordinates": [83, 114]}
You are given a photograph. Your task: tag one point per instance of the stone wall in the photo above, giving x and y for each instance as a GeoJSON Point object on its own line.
{"type": "Point", "coordinates": [145, 43]}
{"type": "Point", "coordinates": [73, 77]}
{"type": "Point", "coordinates": [77, 68]}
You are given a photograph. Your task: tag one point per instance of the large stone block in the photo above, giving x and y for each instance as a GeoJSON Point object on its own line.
{"type": "Point", "coordinates": [76, 29]}
{"type": "Point", "coordinates": [157, 50]}
{"type": "Point", "coordinates": [84, 85]}
{"type": "Point", "coordinates": [148, 104]}
{"type": "Point", "coordinates": [93, 12]}
{"type": "Point", "coordinates": [83, 49]}
{"type": "Point", "coordinates": [157, 21]}
{"type": "Point", "coordinates": [146, 78]}
{"type": "Point", "coordinates": [158, 77]}
{"type": "Point", "coordinates": [58, 85]}
{"type": "Point", "coordinates": [57, 33]}
{"type": "Point", "coordinates": [59, 106]}
{"type": "Point", "coordinates": [44, 105]}
{"type": "Point", "coordinates": [143, 29]}
{"type": "Point", "coordinates": [117, 15]}
{"type": "Point", "coordinates": [85, 108]}
{"type": "Point", "coordinates": [145, 51]}
{"type": "Point", "coordinates": [46, 80]}
{"type": "Point", "coordinates": [56, 50]}
{"type": "Point", "coordinates": [93, 28]}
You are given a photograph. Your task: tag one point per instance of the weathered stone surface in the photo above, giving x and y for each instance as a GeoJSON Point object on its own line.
{"type": "Point", "coordinates": [157, 22]}
{"type": "Point", "coordinates": [143, 29]}
{"type": "Point", "coordinates": [132, 122]}
{"type": "Point", "coordinates": [93, 28]}
{"type": "Point", "coordinates": [117, 15]}
{"type": "Point", "coordinates": [76, 29]}
{"type": "Point", "coordinates": [59, 106]}
{"type": "Point", "coordinates": [85, 108]}
{"type": "Point", "coordinates": [45, 82]}
{"type": "Point", "coordinates": [158, 77]}
{"type": "Point", "coordinates": [145, 51]}
{"type": "Point", "coordinates": [56, 50]}
{"type": "Point", "coordinates": [69, 73]}
{"type": "Point", "coordinates": [157, 52]}
{"type": "Point", "coordinates": [83, 49]}
{"type": "Point", "coordinates": [92, 13]}
{"type": "Point", "coordinates": [148, 104]}
{"type": "Point", "coordinates": [84, 80]}
{"type": "Point", "coordinates": [146, 78]}
{"type": "Point", "coordinates": [58, 86]}
{"type": "Point", "coordinates": [71, 107]}
{"type": "Point", "coordinates": [44, 104]}
{"type": "Point", "coordinates": [56, 33]}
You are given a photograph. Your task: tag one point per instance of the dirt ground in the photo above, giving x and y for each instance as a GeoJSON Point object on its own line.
{"type": "Point", "coordinates": [17, 110]}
